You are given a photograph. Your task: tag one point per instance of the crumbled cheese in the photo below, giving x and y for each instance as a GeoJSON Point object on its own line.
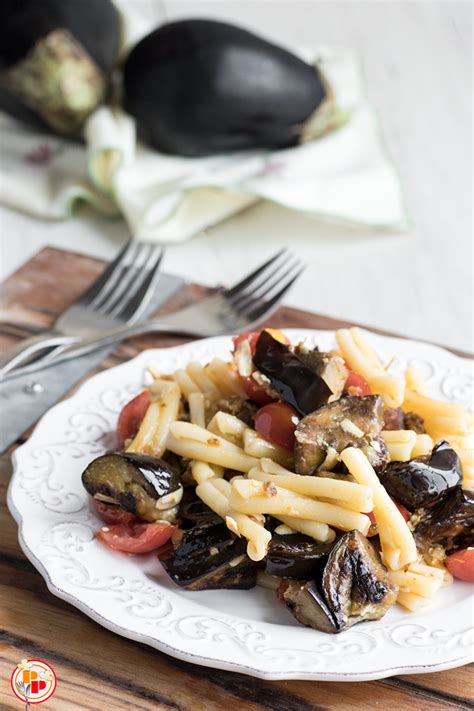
{"type": "Point", "coordinates": [106, 499]}
{"type": "Point", "coordinates": [213, 550]}
{"type": "Point", "coordinates": [243, 359]}
{"type": "Point", "coordinates": [349, 427]}
{"type": "Point", "coordinates": [170, 500]}
{"type": "Point", "coordinates": [332, 458]}
{"type": "Point", "coordinates": [231, 524]}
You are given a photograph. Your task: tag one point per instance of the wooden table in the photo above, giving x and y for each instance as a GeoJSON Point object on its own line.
{"type": "Point", "coordinates": [101, 671]}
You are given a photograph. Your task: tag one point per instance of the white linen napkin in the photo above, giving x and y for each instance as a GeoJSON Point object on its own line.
{"type": "Point", "coordinates": [346, 176]}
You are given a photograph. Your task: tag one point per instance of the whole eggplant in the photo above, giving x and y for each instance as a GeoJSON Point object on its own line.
{"type": "Point", "coordinates": [55, 56]}
{"type": "Point", "coordinates": [198, 87]}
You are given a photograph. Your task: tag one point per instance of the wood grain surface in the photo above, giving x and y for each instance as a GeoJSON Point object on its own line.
{"type": "Point", "coordinates": [101, 671]}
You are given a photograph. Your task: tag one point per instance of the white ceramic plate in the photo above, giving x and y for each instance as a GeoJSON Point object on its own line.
{"type": "Point", "coordinates": [245, 631]}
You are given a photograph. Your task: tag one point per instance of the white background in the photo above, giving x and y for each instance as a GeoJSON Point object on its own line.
{"type": "Point", "coordinates": [418, 63]}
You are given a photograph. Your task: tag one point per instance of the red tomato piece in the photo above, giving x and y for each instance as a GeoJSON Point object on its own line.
{"type": "Point", "coordinates": [254, 391]}
{"type": "Point", "coordinates": [112, 514]}
{"type": "Point", "coordinates": [357, 385]}
{"type": "Point", "coordinates": [252, 338]}
{"type": "Point", "coordinates": [136, 537]}
{"type": "Point", "coordinates": [461, 564]}
{"type": "Point", "coordinates": [131, 416]}
{"type": "Point", "coordinates": [277, 423]}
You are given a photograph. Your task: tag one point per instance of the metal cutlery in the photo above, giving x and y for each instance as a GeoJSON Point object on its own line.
{"type": "Point", "coordinates": [118, 297]}
{"type": "Point", "coordinates": [230, 310]}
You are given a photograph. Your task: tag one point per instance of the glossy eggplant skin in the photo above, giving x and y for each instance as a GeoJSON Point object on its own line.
{"type": "Point", "coordinates": [135, 482]}
{"type": "Point", "coordinates": [354, 587]}
{"type": "Point", "coordinates": [423, 480]}
{"type": "Point", "coordinates": [198, 87]}
{"type": "Point", "coordinates": [296, 556]}
{"type": "Point", "coordinates": [210, 557]}
{"type": "Point", "coordinates": [450, 523]}
{"type": "Point", "coordinates": [95, 24]}
{"type": "Point", "coordinates": [295, 382]}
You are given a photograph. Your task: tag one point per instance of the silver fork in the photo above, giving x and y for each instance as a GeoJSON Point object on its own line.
{"type": "Point", "coordinates": [118, 297]}
{"type": "Point", "coordinates": [227, 311]}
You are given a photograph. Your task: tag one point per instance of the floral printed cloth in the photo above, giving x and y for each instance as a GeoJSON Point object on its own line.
{"type": "Point", "coordinates": [346, 176]}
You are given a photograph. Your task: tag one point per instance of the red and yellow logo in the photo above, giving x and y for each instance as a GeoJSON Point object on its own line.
{"type": "Point", "coordinates": [33, 681]}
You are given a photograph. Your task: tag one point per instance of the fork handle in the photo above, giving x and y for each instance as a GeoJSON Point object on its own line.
{"type": "Point", "coordinates": [23, 351]}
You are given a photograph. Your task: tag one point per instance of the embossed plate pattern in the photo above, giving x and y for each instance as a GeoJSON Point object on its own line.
{"type": "Point", "coordinates": [245, 631]}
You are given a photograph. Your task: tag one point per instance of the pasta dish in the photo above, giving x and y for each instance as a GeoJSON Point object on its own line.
{"type": "Point", "coordinates": [321, 475]}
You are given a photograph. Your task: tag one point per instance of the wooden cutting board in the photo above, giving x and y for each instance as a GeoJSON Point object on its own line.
{"type": "Point", "coordinates": [101, 671]}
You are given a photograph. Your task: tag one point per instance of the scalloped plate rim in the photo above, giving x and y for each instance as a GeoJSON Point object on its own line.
{"type": "Point", "coordinates": [160, 645]}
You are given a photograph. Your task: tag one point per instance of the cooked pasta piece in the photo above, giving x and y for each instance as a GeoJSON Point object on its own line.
{"type": "Point", "coordinates": [193, 442]}
{"type": "Point", "coordinates": [256, 446]}
{"type": "Point", "coordinates": [255, 497]}
{"type": "Point", "coordinates": [228, 426]}
{"type": "Point", "coordinates": [423, 446]}
{"type": "Point", "coordinates": [202, 471]}
{"type": "Point", "coordinates": [225, 377]}
{"type": "Point", "coordinates": [356, 496]}
{"type": "Point", "coordinates": [360, 357]}
{"type": "Point", "coordinates": [414, 380]}
{"type": "Point", "coordinates": [153, 432]}
{"type": "Point", "coordinates": [419, 582]}
{"type": "Point", "coordinates": [198, 374]}
{"type": "Point", "coordinates": [396, 539]}
{"type": "Point", "coordinates": [400, 444]}
{"type": "Point", "coordinates": [216, 495]}
{"type": "Point", "coordinates": [313, 529]}
{"type": "Point", "coordinates": [186, 383]}
{"type": "Point", "coordinates": [197, 409]}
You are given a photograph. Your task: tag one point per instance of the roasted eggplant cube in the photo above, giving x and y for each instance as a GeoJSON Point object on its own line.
{"type": "Point", "coordinates": [296, 556]}
{"type": "Point", "coordinates": [347, 422]}
{"type": "Point", "coordinates": [145, 486]}
{"type": "Point", "coordinates": [450, 523]}
{"type": "Point", "coordinates": [329, 366]}
{"type": "Point", "coordinates": [296, 383]}
{"type": "Point", "coordinates": [425, 479]}
{"type": "Point", "coordinates": [355, 586]}
{"type": "Point", "coordinates": [307, 604]}
{"type": "Point", "coordinates": [210, 557]}
{"type": "Point", "coordinates": [235, 405]}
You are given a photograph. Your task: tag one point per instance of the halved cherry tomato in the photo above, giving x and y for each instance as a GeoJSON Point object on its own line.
{"type": "Point", "coordinates": [277, 423]}
{"type": "Point", "coordinates": [357, 385]}
{"type": "Point", "coordinates": [461, 564]}
{"type": "Point", "coordinates": [131, 416]}
{"type": "Point", "coordinates": [136, 537]}
{"type": "Point", "coordinates": [112, 514]}
{"type": "Point", "coordinates": [254, 391]}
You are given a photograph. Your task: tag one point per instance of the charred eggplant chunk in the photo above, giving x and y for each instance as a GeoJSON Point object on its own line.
{"type": "Point", "coordinates": [198, 87]}
{"type": "Point", "coordinates": [296, 556]}
{"type": "Point", "coordinates": [210, 557]}
{"type": "Point", "coordinates": [143, 485]}
{"type": "Point", "coordinates": [295, 382]}
{"type": "Point", "coordinates": [329, 366]}
{"type": "Point", "coordinates": [355, 587]}
{"type": "Point", "coordinates": [347, 422]}
{"type": "Point", "coordinates": [307, 604]}
{"type": "Point", "coordinates": [450, 523]}
{"type": "Point", "coordinates": [423, 480]}
{"type": "Point", "coordinates": [235, 405]}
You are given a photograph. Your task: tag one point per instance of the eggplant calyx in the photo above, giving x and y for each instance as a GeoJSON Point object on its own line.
{"type": "Point", "coordinates": [58, 80]}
